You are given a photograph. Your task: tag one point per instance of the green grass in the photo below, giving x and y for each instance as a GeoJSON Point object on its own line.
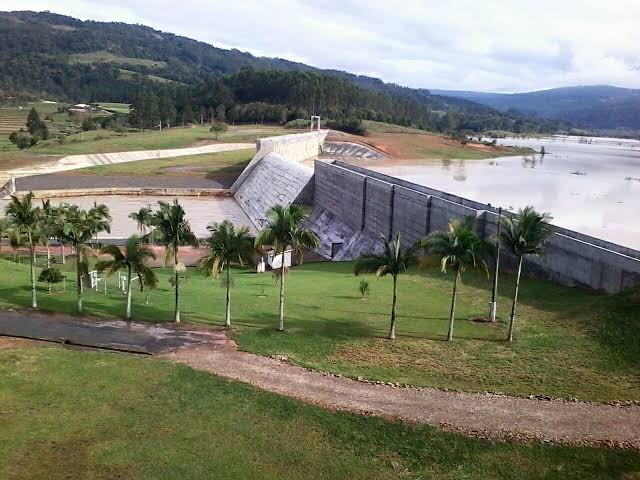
{"type": "Point", "coordinates": [108, 57]}
{"type": "Point", "coordinates": [76, 414]}
{"type": "Point", "coordinates": [381, 127]}
{"type": "Point", "coordinates": [115, 107]}
{"type": "Point", "coordinates": [210, 165]}
{"type": "Point", "coordinates": [570, 343]}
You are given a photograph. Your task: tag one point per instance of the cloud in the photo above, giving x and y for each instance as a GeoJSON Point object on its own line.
{"type": "Point", "coordinates": [498, 45]}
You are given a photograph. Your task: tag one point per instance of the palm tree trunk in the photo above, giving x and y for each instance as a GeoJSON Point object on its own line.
{"type": "Point", "coordinates": [515, 301]}
{"type": "Point", "coordinates": [128, 311]}
{"type": "Point", "coordinates": [281, 315]}
{"type": "Point", "coordinates": [48, 255]}
{"type": "Point", "coordinates": [79, 281]}
{"type": "Point", "coordinates": [227, 318]}
{"type": "Point", "coordinates": [64, 258]}
{"type": "Point", "coordinates": [452, 314]}
{"type": "Point", "coordinates": [32, 259]}
{"type": "Point", "coordinates": [176, 318]}
{"type": "Point", "coordinates": [392, 330]}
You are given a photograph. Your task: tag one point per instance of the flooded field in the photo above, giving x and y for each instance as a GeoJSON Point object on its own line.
{"type": "Point", "coordinates": [590, 185]}
{"type": "Point", "coordinates": [200, 211]}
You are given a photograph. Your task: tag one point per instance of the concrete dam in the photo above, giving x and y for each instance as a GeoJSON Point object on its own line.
{"type": "Point", "coordinates": [351, 206]}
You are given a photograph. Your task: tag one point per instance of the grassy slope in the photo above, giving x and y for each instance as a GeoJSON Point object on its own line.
{"type": "Point", "coordinates": [209, 165]}
{"type": "Point", "coordinates": [104, 141]}
{"type": "Point", "coordinates": [73, 414]}
{"type": "Point", "coordinates": [570, 343]}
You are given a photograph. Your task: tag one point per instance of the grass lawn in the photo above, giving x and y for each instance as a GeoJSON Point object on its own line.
{"type": "Point", "coordinates": [210, 165]}
{"type": "Point", "coordinates": [570, 343]}
{"type": "Point", "coordinates": [115, 107]}
{"type": "Point", "coordinates": [77, 414]}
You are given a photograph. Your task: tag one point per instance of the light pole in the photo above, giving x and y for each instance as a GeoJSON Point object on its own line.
{"type": "Point", "coordinates": [494, 290]}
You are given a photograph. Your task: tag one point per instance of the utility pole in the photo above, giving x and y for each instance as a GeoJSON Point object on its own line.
{"type": "Point", "coordinates": [494, 290]}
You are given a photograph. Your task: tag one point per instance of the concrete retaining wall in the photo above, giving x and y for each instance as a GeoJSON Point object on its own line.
{"type": "Point", "coordinates": [355, 203]}
{"type": "Point", "coordinates": [296, 147]}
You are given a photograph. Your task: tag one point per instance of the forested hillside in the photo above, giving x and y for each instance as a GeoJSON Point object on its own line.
{"type": "Point", "coordinates": [46, 55]}
{"type": "Point", "coordinates": [599, 106]}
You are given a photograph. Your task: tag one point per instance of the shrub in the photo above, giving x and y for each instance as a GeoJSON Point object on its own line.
{"type": "Point", "coordinates": [217, 128]}
{"type": "Point", "coordinates": [349, 125]}
{"type": "Point", "coordinates": [23, 139]}
{"type": "Point", "coordinates": [364, 288]}
{"type": "Point", "coordinates": [300, 123]}
{"type": "Point", "coordinates": [51, 276]}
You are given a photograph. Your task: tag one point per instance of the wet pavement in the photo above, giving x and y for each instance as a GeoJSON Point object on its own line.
{"type": "Point", "coordinates": [113, 334]}
{"type": "Point", "coordinates": [71, 181]}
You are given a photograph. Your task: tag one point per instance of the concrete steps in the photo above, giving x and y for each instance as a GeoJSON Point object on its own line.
{"type": "Point", "coordinates": [350, 149]}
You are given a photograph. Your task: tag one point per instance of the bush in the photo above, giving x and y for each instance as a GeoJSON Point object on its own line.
{"type": "Point", "coordinates": [364, 288]}
{"type": "Point", "coordinates": [348, 125]}
{"type": "Point", "coordinates": [217, 128]}
{"type": "Point", "coordinates": [300, 123]}
{"type": "Point", "coordinates": [23, 139]}
{"type": "Point", "coordinates": [51, 276]}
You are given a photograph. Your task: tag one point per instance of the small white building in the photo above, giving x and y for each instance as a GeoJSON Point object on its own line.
{"type": "Point", "coordinates": [273, 260]}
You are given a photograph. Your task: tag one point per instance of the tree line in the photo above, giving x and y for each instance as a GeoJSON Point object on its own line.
{"type": "Point", "coordinates": [459, 248]}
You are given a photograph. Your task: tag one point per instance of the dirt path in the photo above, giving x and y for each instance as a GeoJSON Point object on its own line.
{"type": "Point", "coordinates": [488, 416]}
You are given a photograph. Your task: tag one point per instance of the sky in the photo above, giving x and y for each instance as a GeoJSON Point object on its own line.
{"type": "Point", "coordinates": [494, 45]}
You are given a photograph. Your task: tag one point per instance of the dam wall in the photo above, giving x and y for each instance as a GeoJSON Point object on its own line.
{"type": "Point", "coordinates": [274, 180]}
{"type": "Point", "coordinates": [352, 202]}
{"type": "Point", "coordinates": [296, 147]}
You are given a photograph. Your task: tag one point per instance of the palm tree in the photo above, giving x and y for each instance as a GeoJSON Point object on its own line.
{"type": "Point", "coordinates": [78, 230]}
{"type": "Point", "coordinates": [226, 244]}
{"type": "Point", "coordinates": [25, 217]}
{"type": "Point", "coordinates": [16, 240]}
{"type": "Point", "coordinates": [59, 214]}
{"type": "Point", "coordinates": [459, 248]}
{"type": "Point", "coordinates": [142, 218]}
{"type": "Point", "coordinates": [525, 234]}
{"type": "Point", "coordinates": [47, 226]}
{"type": "Point", "coordinates": [172, 231]}
{"type": "Point", "coordinates": [133, 259]}
{"type": "Point", "coordinates": [392, 261]}
{"type": "Point", "coordinates": [284, 230]}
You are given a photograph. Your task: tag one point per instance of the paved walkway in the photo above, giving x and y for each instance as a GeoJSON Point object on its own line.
{"type": "Point", "coordinates": [74, 181]}
{"type": "Point", "coordinates": [110, 334]}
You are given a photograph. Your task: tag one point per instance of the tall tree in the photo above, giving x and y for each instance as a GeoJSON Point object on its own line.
{"type": "Point", "coordinates": [394, 260]}
{"type": "Point", "coordinates": [172, 230]}
{"type": "Point", "coordinates": [143, 218]}
{"type": "Point", "coordinates": [226, 245]}
{"type": "Point", "coordinates": [25, 217]}
{"type": "Point", "coordinates": [133, 258]}
{"type": "Point", "coordinates": [78, 230]}
{"type": "Point", "coordinates": [285, 230]}
{"type": "Point", "coordinates": [522, 235]}
{"type": "Point", "coordinates": [35, 126]}
{"type": "Point", "coordinates": [458, 249]}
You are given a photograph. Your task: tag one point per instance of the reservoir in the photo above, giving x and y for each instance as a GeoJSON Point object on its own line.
{"type": "Point", "coordinates": [591, 185]}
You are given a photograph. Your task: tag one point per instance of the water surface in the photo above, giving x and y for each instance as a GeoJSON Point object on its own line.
{"type": "Point", "coordinates": [593, 188]}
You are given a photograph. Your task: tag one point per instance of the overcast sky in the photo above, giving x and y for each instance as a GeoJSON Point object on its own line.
{"type": "Point", "coordinates": [494, 45]}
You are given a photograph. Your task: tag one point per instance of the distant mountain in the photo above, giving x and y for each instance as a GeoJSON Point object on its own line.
{"type": "Point", "coordinates": [599, 106]}
{"type": "Point", "coordinates": [55, 56]}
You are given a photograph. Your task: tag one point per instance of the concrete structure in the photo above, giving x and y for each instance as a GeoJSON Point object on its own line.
{"type": "Point", "coordinates": [74, 162]}
{"type": "Point", "coordinates": [353, 206]}
{"type": "Point", "coordinates": [295, 147]}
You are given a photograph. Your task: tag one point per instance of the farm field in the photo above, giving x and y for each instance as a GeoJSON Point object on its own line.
{"type": "Point", "coordinates": [81, 414]}
{"type": "Point", "coordinates": [569, 343]}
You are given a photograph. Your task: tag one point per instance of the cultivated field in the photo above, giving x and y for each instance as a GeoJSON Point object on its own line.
{"type": "Point", "coordinates": [570, 343]}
